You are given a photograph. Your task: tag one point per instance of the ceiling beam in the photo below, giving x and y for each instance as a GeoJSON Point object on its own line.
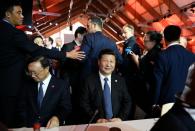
{"type": "Point", "coordinates": [106, 27]}
{"type": "Point", "coordinates": [149, 8]}
{"type": "Point", "coordinates": [175, 9]}
{"type": "Point", "coordinates": [134, 13]}
{"type": "Point", "coordinates": [98, 10]}
{"type": "Point", "coordinates": [61, 21]}
{"type": "Point", "coordinates": [63, 16]}
{"type": "Point", "coordinates": [129, 21]}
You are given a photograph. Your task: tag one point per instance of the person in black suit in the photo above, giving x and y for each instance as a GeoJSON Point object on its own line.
{"type": "Point", "coordinates": [181, 116]}
{"type": "Point", "coordinates": [93, 43]}
{"type": "Point", "coordinates": [46, 99]}
{"type": "Point", "coordinates": [14, 47]}
{"type": "Point", "coordinates": [72, 70]}
{"type": "Point", "coordinates": [171, 67]}
{"type": "Point", "coordinates": [93, 98]}
{"type": "Point", "coordinates": [128, 68]}
{"type": "Point", "coordinates": [145, 63]}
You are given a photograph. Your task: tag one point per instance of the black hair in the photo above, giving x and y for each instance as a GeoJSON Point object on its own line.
{"type": "Point", "coordinates": [51, 40]}
{"type": "Point", "coordinates": [156, 37]}
{"type": "Point", "coordinates": [37, 36]}
{"type": "Point", "coordinates": [7, 5]}
{"type": "Point", "coordinates": [172, 33]}
{"type": "Point", "coordinates": [80, 30]}
{"type": "Point", "coordinates": [96, 20]}
{"type": "Point", "coordinates": [44, 61]}
{"type": "Point", "coordinates": [106, 52]}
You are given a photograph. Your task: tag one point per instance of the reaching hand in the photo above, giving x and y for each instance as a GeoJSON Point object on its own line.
{"type": "Point", "coordinates": [115, 120]}
{"type": "Point", "coordinates": [101, 120]}
{"type": "Point", "coordinates": [75, 54]}
{"type": "Point", "coordinates": [53, 122]}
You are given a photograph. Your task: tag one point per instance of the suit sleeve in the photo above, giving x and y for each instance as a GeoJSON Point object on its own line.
{"type": "Point", "coordinates": [24, 44]}
{"type": "Point", "coordinates": [126, 102]}
{"type": "Point", "coordinates": [159, 71]}
{"type": "Point", "coordinates": [86, 45]}
{"type": "Point", "coordinates": [169, 123]}
{"type": "Point", "coordinates": [64, 106]}
{"type": "Point", "coordinates": [85, 99]}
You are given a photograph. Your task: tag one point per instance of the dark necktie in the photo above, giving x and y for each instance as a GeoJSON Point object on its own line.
{"type": "Point", "coordinates": [107, 100]}
{"type": "Point", "coordinates": [40, 94]}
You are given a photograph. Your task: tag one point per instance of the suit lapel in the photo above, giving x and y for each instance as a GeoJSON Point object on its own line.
{"type": "Point", "coordinates": [48, 93]}
{"type": "Point", "coordinates": [114, 83]}
{"type": "Point", "coordinates": [100, 101]}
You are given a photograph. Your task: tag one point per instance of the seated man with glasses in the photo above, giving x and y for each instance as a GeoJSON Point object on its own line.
{"type": "Point", "coordinates": [45, 99]}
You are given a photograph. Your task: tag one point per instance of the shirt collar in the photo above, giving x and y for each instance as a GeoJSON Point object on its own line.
{"type": "Point", "coordinates": [77, 42]}
{"type": "Point", "coordinates": [47, 79]}
{"type": "Point", "coordinates": [7, 22]}
{"type": "Point", "coordinates": [173, 43]}
{"type": "Point", "coordinates": [103, 76]}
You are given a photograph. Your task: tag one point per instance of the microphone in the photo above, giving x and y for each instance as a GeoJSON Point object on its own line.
{"type": "Point", "coordinates": [128, 50]}
{"type": "Point", "coordinates": [92, 118]}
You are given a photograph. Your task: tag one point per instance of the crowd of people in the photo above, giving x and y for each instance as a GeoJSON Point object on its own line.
{"type": "Point", "coordinates": [88, 79]}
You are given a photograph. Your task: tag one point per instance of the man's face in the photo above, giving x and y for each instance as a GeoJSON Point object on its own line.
{"type": "Point", "coordinates": [80, 37]}
{"type": "Point", "coordinates": [58, 42]}
{"type": "Point", "coordinates": [127, 32]}
{"type": "Point", "coordinates": [39, 41]}
{"type": "Point", "coordinates": [37, 72]}
{"type": "Point", "coordinates": [15, 17]}
{"type": "Point", "coordinates": [107, 64]}
{"type": "Point", "coordinates": [90, 26]}
{"type": "Point", "coordinates": [47, 42]}
{"type": "Point", "coordinates": [148, 44]}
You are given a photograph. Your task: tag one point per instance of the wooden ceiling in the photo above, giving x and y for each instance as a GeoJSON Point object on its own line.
{"type": "Point", "coordinates": [144, 15]}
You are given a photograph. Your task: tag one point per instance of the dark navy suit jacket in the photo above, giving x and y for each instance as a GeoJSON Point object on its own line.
{"type": "Point", "coordinates": [92, 44]}
{"type": "Point", "coordinates": [56, 102]}
{"type": "Point", "coordinates": [177, 119]}
{"type": "Point", "coordinates": [170, 73]}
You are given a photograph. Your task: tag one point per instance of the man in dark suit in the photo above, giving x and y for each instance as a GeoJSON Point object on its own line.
{"type": "Point", "coordinates": [181, 116]}
{"type": "Point", "coordinates": [171, 67]}
{"type": "Point", "coordinates": [72, 70]}
{"type": "Point", "coordinates": [46, 99]}
{"type": "Point", "coordinates": [129, 68]}
{"type": "Point", "coordinates": [14, 47]}
{"type": "Point", "coordinates": [93, 43]}
{"type": "Point", "coordinates": [105, 94]}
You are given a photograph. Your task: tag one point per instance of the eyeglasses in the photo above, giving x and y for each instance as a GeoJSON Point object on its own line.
{"type": "Point", "coordinates": [30, 73]}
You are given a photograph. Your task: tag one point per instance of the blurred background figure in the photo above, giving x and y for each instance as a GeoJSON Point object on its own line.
{"type": "Point", "coordinates": [93, 43]}
{"type": "Point", "coordinates": [171, 68]}
{"type": "Point", "coordinates": [72, 70]}
{"type": "Point", "coordinates": [129, 69]}
{"type": "Point", "coordinates": [49, 43]}
{"type": "Point", "coordinates": [59, 44]}
{"type": "Point", "coordinates": [145, 63]}
{"type": "Point", "coordinates": [181, 117]}
{"type": "Point", "coordinates": [38, 40]}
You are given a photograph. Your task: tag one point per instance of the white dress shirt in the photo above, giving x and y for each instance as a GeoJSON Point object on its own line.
{"type": "Point", "coordinates": [45, 84]}
{"type": "Point", "coordinates": [191, 112]}
{"type": "Point", "coordinates": [102, 80]}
